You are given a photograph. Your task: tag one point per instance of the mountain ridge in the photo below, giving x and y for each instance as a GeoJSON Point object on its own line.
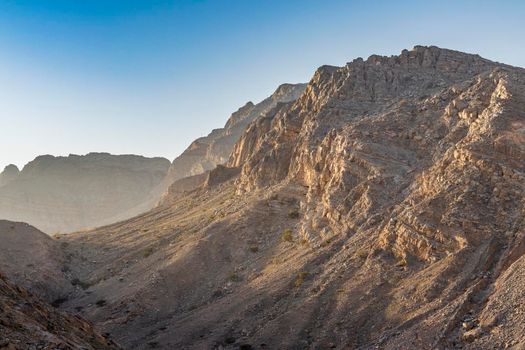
{"type": "Point", "coordinates": [206, 152]}
{"type": "Point", "coordinates": [382, 208]}
{"type": "Point", "coordinates": [61, 194]}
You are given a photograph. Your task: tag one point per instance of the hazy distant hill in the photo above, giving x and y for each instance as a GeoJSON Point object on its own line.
{"type": "Point", "coordinates": [63, 194]}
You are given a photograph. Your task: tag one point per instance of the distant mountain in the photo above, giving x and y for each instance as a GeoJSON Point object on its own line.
{"type": "Point", "coordinates": [63, 194]}
{"type": "Point", "coordinates": [9, 174]}
{"type": "Point", "coordinates": [207, 152]}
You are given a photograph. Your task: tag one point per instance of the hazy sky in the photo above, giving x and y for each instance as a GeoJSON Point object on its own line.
{"type": "Point", "coordinates": [147, 77]}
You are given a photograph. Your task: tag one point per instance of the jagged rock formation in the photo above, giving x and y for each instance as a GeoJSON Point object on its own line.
{"type": "Point", "coordinates": [384, 208]}
{"type": "Point", "coordinates": [63, 194]}
{"type": "Point", "coordinates": [207, 152]}
{"type": "Point", "coordinates": [423, 152]}
{"type": "Point", "coordinates": [9, 174]}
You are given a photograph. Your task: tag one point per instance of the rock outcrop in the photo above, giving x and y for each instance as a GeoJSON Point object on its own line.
{"type": "Point", "coordinates": [63, 194]}
{"type": "Point", "coordinates": [207, 152]}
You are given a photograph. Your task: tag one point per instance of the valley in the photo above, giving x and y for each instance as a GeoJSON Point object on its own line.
{"type": "Point", "coordinates": [380, 206]}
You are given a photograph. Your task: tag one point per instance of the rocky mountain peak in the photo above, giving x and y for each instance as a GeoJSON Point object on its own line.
{"type": "Point", "coordinates": [371, 126]}
{"type": "Point", "coordinates": [207, 152]}
{"type": "Point", "coordinates": [239, 115]}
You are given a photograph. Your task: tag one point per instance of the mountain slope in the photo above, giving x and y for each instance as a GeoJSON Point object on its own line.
{"type": "Point", "coordinates": [384, 208]}
{"type": "Point", "coordinates": [33, 260]}
{"type": "Point", "coordinates": [63, 194]}
{"type": "Point", "coordinates": [28, 323]}
{"type": "Point", "coordinates": [207, 152]}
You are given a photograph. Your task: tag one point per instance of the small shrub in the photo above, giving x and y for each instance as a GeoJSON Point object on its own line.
{"type": "Point", "coordinates": [148, 252]}
{"type": "Point", "coordinates": [101, 303]}
{"type": "Point", "coordinates": [234, 277]}
{"type": "Point", "coordinates": [326, 243]}
{"type": "Point", "coordinates": [287, 235]}
{"type": "Point", "coordinates": [362, 254]}
{"type": "Point", "coordinates": [81, 284]}
{"type": "Point", "coordinates": [293, 213]}
{"type": "Point", "coordinates": [153, 344]}
{"type": "Point", "coordinates": [301, 277]}
{"type": "Point", "coordinates": [58, 302]}
{"type": "Point", "coordinates": [402, 263]}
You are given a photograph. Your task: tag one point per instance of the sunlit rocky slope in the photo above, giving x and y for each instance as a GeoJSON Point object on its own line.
{"type": "Point", "coordinates": [384, 208]}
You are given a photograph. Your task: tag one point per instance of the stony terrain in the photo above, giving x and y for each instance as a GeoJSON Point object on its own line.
{"type": "Point", "coordinates": [34, 261]}
{"type": "Point", "coordinates": [382, 209]}
{"type": "Point", "coordinates": [27, 323]}
{"type": "Point", "coordinates": [64, 194]}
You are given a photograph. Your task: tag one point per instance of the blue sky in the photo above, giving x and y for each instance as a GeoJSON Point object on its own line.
{"type": "Point", "coordinates": [148, 77]}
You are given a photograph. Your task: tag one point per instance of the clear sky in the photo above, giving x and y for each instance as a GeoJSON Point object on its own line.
{"type": "Point", "coordinates": [149, 76]}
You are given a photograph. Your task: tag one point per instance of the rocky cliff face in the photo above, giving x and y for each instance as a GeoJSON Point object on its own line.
{"type": "Point", "coordinates": [367, 135]}
{"type": "Point", "coordinates": [424, 154]}
{"type": "Point", "coordinates": [207, 152]}
{"type": "Point", "coordinates": [63, 194]}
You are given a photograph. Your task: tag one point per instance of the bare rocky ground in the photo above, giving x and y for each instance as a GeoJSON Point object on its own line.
{"type": "Point", "coordinates": [27, 323]}
{"type": "Point", "coordinates": [383, 209]}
